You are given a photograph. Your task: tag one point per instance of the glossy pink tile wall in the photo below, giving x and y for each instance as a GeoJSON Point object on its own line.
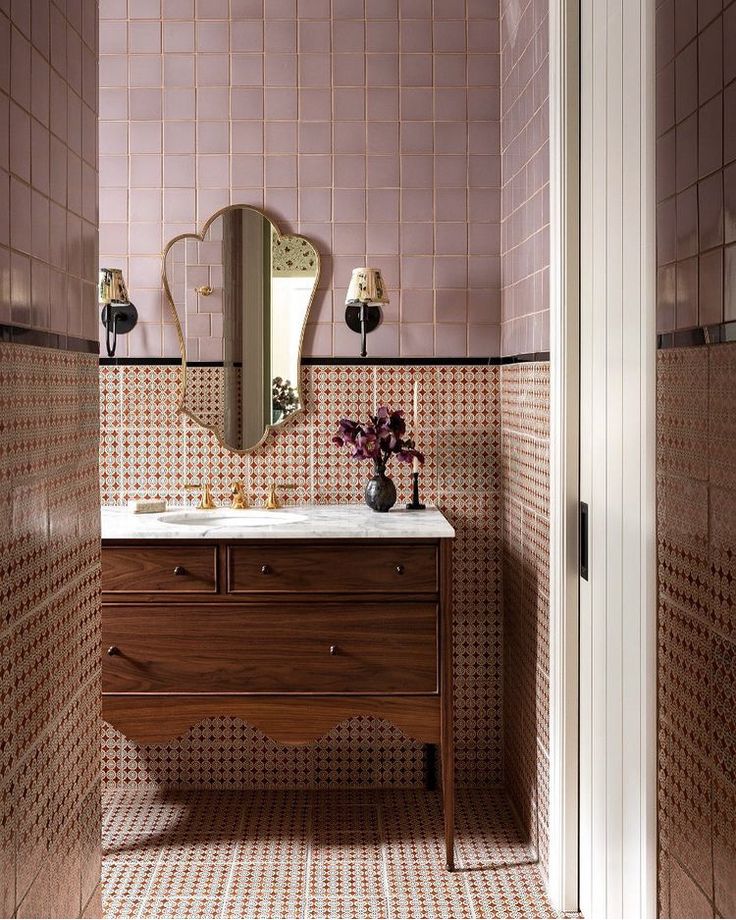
{"type": "Point", "coordinates": [525, 176]}
{"type": "Point", "coordinates": [48, 166]}
{"type": "Point", "coordinates": [696, 164]}
{"type": "Point", "coordinates": [696, 460]}
{"type": "Point", "coordinates": [524, 412]}
{"type": "Point", "coordinates": [50, 681]}
{"type": "Point", "coordinates": [50, 687]}
{"type": "Point", "coordinates": [371, 126]}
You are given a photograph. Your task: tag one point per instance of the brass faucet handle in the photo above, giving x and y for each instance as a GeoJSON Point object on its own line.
{"type": "Point", "coordinates": [206, 502]}
{"type": "Point", "coordinates": [240, 499]}
{"type": "Point", "coordinates": [273, 502]}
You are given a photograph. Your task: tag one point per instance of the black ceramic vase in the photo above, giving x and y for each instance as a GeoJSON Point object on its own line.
{"type": "Point", "coordinates": [380, 493]}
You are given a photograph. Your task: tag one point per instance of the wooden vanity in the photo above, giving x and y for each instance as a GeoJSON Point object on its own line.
{"type": "Point", "coordinates": [292, 634]}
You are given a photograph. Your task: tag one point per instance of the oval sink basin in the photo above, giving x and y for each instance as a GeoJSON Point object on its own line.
{"type": "Point", "coordinates": [227, 517]}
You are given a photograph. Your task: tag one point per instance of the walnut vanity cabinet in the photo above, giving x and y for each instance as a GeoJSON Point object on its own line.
{"type": "Point", "coordinates": [292, 636]}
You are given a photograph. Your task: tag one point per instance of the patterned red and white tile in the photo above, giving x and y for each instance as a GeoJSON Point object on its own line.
{"type": "Point", "coordinates": [49, 625]}
{"type": "Point", "coordinates": [401, 874]}
{"type": "Point", "coordinates": [468, 487]}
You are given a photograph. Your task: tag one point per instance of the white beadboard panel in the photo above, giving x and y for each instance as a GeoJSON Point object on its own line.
{"type": "Point", "coordinates": [617, 608]}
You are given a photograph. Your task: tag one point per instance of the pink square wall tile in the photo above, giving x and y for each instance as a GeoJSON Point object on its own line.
{"type": "Point", "coordinates": [348, 238]}
{"type": "Point", "coordinates": [417, 238]}
{"type": "Point", "coordinates": [691, 72]}
{"type": "Point", "coordinates": [710, 288]}
{"type": "Point", "coordinates": [417, 340]}
{"type": "Point", "coordinates": [697, 289]}
{"type": "Point", "coordinates": [519, 176]}
{"type": "Point", "coordinates": [451, 339]}
{"type": "Point", "coordinates": [382, 204]}
{"type": "Point", "coordinates": [5, 210]}
{"type": "Point", "coordinates": [281, 121]}
{"type": "Point", "coordinates": [318, 340]}
{"type": "Point", "coordinates": [350, 170]}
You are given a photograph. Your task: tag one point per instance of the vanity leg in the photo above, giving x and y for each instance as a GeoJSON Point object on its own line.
{"type": "Point", "coordinates": [430, 766]}
{"type": "Point", "coordinates": [448, 802]}
{"type": "Point", "coordinates": [447, 706]}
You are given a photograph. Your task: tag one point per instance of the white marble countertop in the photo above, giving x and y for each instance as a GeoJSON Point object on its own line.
{"type": "Point", "coordinates": [318, 522]}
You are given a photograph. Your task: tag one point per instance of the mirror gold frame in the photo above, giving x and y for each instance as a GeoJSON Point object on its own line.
{"type": "Point", "coordinates": [181, 408]}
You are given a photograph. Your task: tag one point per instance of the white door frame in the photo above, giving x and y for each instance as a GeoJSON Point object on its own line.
{"type": "Point", "coordinates": [564, 104]}
{"type": "Point", "coordinates": [602, 287]}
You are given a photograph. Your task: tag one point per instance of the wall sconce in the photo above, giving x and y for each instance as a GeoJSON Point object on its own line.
{"type": "Point", "coordinates": [119, 315]}
{"type": "Point", "coordinates": [362, 304]}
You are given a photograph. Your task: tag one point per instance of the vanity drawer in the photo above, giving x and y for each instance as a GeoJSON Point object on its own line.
{"type": "Point", "coordinates": [324, 569]}
{"type": "Point", "coordinates": [298, 648]}
{"type": "Point", "coordinates": [164, 569]}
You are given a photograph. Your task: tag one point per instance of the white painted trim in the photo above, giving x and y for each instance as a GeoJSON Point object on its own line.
{"type": "Point", "coordinates": [564, 90]}
{"type": "Point", "coordinates": [617, 412]}
{"type": "Point", "coordinates": [648, 434]}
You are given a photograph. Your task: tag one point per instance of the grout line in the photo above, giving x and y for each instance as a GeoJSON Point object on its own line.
{"type": "Point", "coordinates": [384, 861]}
{"type": "Point", "coordinates": [163, 853]}
{"type": "Point", "coordinates": [240, 832]}
{"type": "Point", "coordinates": [308, 864]}
{"type": "Point", "coordinates": [465, 876]}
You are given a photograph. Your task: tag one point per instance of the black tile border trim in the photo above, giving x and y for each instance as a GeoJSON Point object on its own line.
{"type": "Point", "coordinates": [697, 336]}
{"type": "Point", "coordinates": [20, 335]}
{"type": "Point", "coordinates": [345, 362]}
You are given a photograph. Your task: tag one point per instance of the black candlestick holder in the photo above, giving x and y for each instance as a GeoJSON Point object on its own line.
{"type": "Point", "coordinates": [415, 504]}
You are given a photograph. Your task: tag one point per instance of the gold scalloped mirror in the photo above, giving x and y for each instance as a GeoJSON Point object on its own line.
{"type": "Point", "coordinates": [240, 292]}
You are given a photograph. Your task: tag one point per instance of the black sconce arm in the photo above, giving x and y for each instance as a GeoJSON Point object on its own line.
{"type": "Point", "coordinates": [362, 318]}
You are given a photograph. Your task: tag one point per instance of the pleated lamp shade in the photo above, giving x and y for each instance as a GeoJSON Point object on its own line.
{"type": "Point", "coordinates": [366, 286]}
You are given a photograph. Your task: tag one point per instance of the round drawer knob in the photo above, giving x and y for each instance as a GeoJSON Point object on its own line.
{"type": "Point", "coordinates": [399, 569]}
{"type": "Point", "coordinates": [265, 569]}
{"type": "Point", "coordinates": [334, 650]}
{"type": "Point", "coordinates": [179, 570]}
{"type": "Point", "coordinates": [113, 650]}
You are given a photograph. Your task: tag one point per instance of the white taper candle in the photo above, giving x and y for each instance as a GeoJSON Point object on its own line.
{"type": "Point", "coordinates": [415, 432]}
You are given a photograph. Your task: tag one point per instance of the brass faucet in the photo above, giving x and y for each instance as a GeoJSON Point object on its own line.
{"type": "Point", "coordinates": [206, 502]}
{"type": "Point", "coordinates": [240, 499]}
{"type": "Point", "coordinates": [272, 501]}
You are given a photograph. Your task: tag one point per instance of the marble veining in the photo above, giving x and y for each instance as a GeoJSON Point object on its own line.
{"type": "Point", "coordinates": [319, 522]}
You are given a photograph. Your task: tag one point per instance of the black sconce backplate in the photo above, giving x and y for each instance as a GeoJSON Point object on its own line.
{"type": "Point", "coordinates": [117, 317]}
{"type": "Point", "coordinates": [123, 315]}
{"type": "Point", "coordinates": [372, 316]}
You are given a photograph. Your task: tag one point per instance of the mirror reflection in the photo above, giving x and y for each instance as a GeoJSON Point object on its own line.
{"type": "Point", "coordinates": [241, 294]}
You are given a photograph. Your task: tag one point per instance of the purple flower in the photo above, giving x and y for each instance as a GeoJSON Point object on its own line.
{"type": "Point", "coordinates": [408, 454]}
{"type": "Point", "coordinates": [379, 439]}
{"type": "Point", "coordinates": [346, 431]}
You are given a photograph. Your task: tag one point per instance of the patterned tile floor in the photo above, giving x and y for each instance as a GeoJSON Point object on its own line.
{"type": "Point", "coordinates": [313, 854]}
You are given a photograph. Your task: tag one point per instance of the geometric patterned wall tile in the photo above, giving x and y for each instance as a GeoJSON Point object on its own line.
{"type": "Point", "coordinates": [49, 487]}
{"type": "Point", "coordinates": [696, 586]}
{"type": "Point", "coordinates": [721, 420]}
{"type": "Point", "coordinates": [724, 707]}
{"type": "Point", "coordinates": [685, 805]}
{"type": "Point", "coordinates": [686, 899]}
{"type": "Point", "coordinates": [154, 453]}
{"type": "Point", "coordinates": [524, 465]}
{"type": "Point", "coordinates": [49, 632]}
{"type": "Point", "coordinates": [724, 846]}
{"type": "Point", "coordinates": [682, 412]}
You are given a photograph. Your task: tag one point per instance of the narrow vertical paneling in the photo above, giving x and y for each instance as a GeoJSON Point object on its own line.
{"type": "Point", "coordinates": [617, 482]}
